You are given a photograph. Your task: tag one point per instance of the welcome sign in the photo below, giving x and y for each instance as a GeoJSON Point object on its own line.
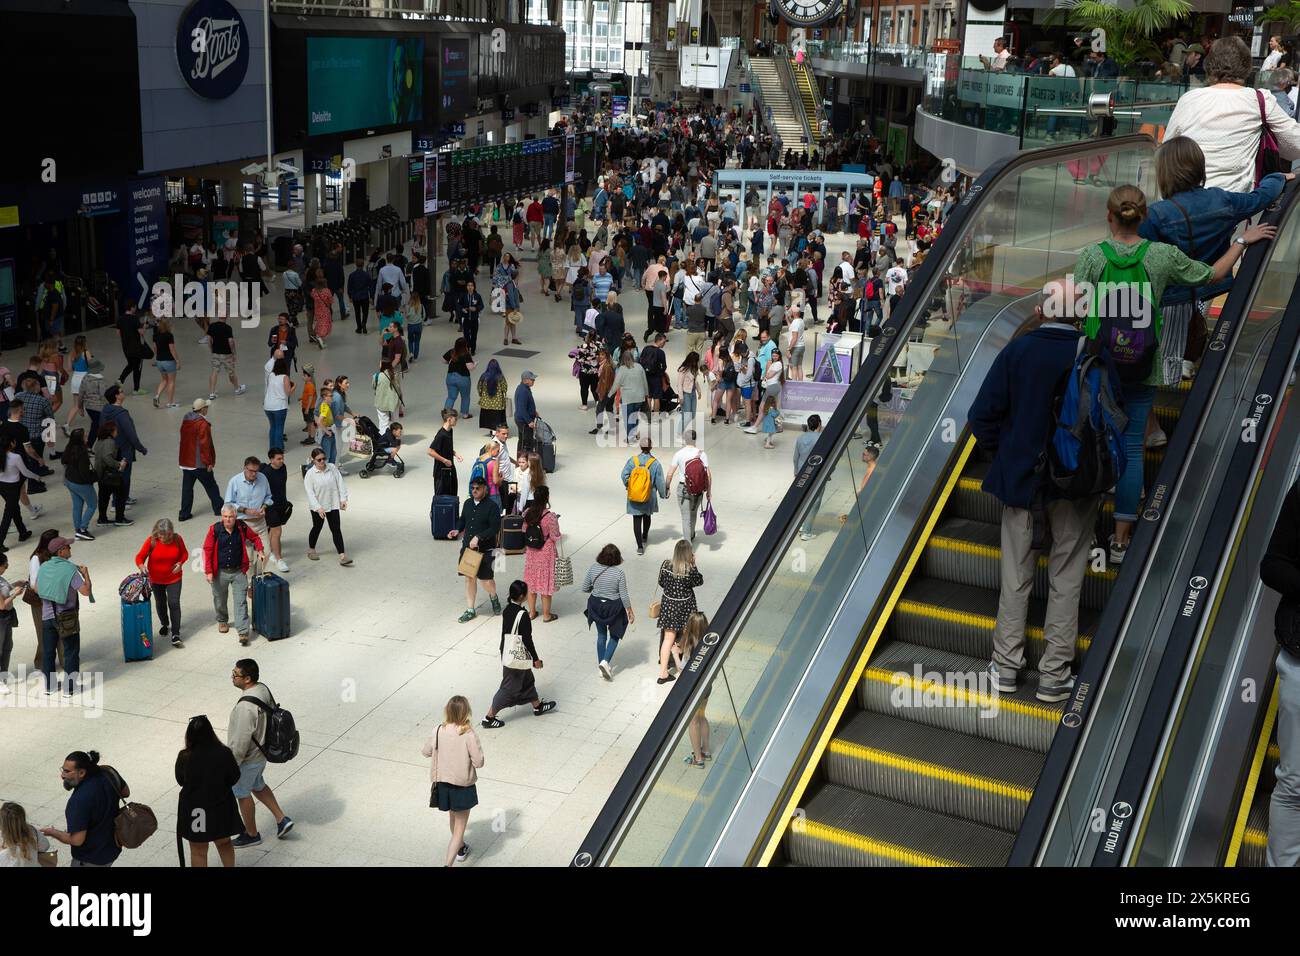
{"type": "Point", "coordinates": [212, 48]}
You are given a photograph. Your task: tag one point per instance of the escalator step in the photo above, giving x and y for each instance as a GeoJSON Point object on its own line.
{"type": "Point", "coordinates": [960, 618]}
{"type": "Point", "coordinates": [970, 501]}
{"type": "Point", "coordinates": [1254, 844]}
{"type": "Point", "coordinates": [840, 827]}
{"type": "Point", "coordinates": [952, 691]}
{"type": "Point", "coordinates": [969, 552]}
{"type": "Point", "coordinates": [977, 780]}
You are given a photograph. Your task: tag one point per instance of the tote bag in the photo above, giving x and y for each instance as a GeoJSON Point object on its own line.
{"type": "Point", "coordinates": [514, 655]}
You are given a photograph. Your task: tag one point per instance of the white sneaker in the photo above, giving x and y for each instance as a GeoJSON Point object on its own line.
{"type": "Point", "coordinates": [1189, 369]}
{"type": "Point", "coordinates": [603, 667]}
{"type": "Point", "coordinates": [1157, 439]}
{"type": "Point", "coordinates": [241, 390]}
{"type": "Point", "coordinates": [36, 510]}
{"type": "Point", "coordinates": [281, 566]}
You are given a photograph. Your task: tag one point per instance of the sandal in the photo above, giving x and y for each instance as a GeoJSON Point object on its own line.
{"type": "Point", "coordinates": [546, 708]}
{"type": "Point", "coordinates": [532, 615]}
{"type": "Point", "coordinates": [548, 620]}
{"type": "Point", "coordinates": [692, 761]}
{"type": "Point", "coordinates": [313, 556]}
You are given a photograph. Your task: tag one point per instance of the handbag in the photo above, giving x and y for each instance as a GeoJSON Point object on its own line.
{"type": "Point", "coordinates": [48, 858]}
{"type": "Point", "coordinates": [1269, 158]}
{"type": "Point", "coordinates": [514, 655]}
{"type": "Point", "coordinates": [111, 479]}
{"type": "Point", "coordinates": [563, 566]}
{"type": "Point", "coordinates": [1197, 335]}
{"type": "Point", "coordinates": [710, 517]}
{"type": "Point", "coordinates": [658, 603]}
{"type": "Point", "coordinates": [67, 623]}
{"type": "Point", "coordinates": [470, 562]}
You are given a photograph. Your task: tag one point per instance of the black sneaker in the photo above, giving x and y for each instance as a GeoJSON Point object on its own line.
{"type": "Point", "coordinates": [176, 641]}
{"type": "Point", "coordinates": [546, 708]}
{"type": "Point", "coordinates": [283, 827]}
{"type": "Point", "coordinates": [184, 517]}
{"type": "Point", "coordinates": [123, 522]}
{"type": "Point", "coordinates": [492, 723]}
{"type": "Point", "coordinates": [24, 535]}
{"type": "Point", "coordinates": [83, 535]}
{"type": "Point", "coordinates": [462, 853]}
{"type": "Point", "coordinates": [104, 522]}
{"type": "Point", "coordinates": [244, 840]}
{"type": "Point", "coordinates": [164, 631]}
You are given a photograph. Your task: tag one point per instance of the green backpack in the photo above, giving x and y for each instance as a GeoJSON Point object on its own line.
{"type": "Point", "coordinates": [1126, 314]}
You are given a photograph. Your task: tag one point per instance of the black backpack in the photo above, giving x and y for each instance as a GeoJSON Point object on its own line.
{"type": "Point", "coordinates": [281, 743]}
{"type": "Point", "coordinates": [534, 537]}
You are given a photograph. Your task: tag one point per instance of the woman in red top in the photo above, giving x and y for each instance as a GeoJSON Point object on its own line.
{"type": "Point", "coordinates": [322, 311]}
{"type": "Point", "coordinates": [162, 558]}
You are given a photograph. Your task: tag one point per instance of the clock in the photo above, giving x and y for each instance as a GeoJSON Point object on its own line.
{"type": "Point", "coordinates": [807, 13]}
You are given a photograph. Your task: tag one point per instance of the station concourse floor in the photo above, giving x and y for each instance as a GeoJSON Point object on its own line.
{"type": "Point", "coordinates": [375, 649]}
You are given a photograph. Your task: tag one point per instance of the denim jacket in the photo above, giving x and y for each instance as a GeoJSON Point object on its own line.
{"type": "Point", "coordinates": [1214, 214]}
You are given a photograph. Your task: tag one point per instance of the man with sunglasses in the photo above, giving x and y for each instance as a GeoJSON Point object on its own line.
{"type": "Point", "coordinates": [480, 523]}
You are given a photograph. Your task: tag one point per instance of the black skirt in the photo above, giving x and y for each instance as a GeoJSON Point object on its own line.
{"type": "Point", "coordinates": [491, 418]}
{"type": "Point", "coordinates": [518, 687]}
{"type": "Point", "coordinates": [448, 796]}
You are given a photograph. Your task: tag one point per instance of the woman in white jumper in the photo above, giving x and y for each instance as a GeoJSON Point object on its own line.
{"type": "Point", "coordinates": [327, 495]}
{"type": "Point", "coordinates": [1225, 119]}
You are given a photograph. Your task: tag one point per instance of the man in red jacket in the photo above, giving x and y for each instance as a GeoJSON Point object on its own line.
{"type": "Point", "coordinates": [534, 216]}
{"type": "Point", "coordinates": [225, 565]}
{"type": "Point", "coordinates": [197, 456]}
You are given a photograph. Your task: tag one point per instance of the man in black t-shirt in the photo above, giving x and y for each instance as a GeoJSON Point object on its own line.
{"type": "Point", "coordinates": [221, 339]}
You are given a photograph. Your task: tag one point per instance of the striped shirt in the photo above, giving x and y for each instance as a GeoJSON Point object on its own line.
{"type": "Point", "coordinates": [607, 582]}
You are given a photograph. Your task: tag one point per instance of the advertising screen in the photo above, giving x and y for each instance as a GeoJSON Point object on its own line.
{"type": "Point", "coordinates": [356, 83]}
{"type": "Point", "coordinates": [457, 97]}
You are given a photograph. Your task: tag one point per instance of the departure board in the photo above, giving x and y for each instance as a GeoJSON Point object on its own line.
{"type": "Point", "coordinates": [464, 176]}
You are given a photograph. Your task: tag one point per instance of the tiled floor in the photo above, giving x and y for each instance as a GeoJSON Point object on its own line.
{"type": "Point", "coordinates": [375, 649]}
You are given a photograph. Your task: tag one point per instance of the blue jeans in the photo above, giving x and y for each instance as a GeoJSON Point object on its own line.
{"type": "Point", "coordinates": [83, 503]}
{"type": "Point", "coordinates": [688, 408]}
{"type": "Point", "coordinates": [275, 436]}
{"type": "Point", "coordinates": [458, 383]}
{"type": "Point", "coordinates": [71, 656]}
{"type": "Point", "coordinates": [328, 444]}
{"type": "Point", "coordinates": [1128, 490]}
{"type": "Point", "coordinates": [631, 416]}
{"type": "Point", "coordinates": [413, 339]}
{"type": "Point", "coordinates": [605, 645]}
{"type": "Point", "coordinates": [679, 314]}
{"type": "Point", "coordinates": [548, 226]}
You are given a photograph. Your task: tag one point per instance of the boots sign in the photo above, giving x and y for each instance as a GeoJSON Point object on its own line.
{"type": "Point", "coordinates": [212, 48]}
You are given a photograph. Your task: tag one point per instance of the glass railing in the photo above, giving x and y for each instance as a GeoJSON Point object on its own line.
{"type": "Point", "coordinates": [1022, 223]}
{"type": "Point", "coordinates": [1161, 598]}
{"type": "Point", "coordinates": [886, 54]}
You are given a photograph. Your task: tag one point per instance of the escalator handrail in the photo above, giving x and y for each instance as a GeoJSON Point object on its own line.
{"type": "Point", "coordinates": [1059, 763]}
{"type": "Point", "coordinates": [1210, 566]}
{"type": "Point", "coordinates": [836, 435]}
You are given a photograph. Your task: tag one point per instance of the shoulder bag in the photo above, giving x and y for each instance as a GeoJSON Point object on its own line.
{"type": "Point", "coordinates": [515, 655]}
{"type": "Point", "coordinates": [563, 566]}
{"type": "Point", "coordinates": [1269, 158]}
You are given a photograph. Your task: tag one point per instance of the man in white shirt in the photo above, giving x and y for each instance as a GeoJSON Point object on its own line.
{"type": "Point", "coordinates": [894, 278]}
{"type": "Point", "coordinates": [795, 347]}
{"type": "Point", "coordinates": [392, 274]}
{"type": "Point", "coordinates": [1000, 56]}
{"type": "Point", "coordinates": [845, 268]}
{"type": "Point", "coordinates": [688, 502]}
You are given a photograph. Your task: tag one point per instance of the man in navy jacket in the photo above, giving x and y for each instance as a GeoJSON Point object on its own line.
{"type": "Point", "coordinates": [1012, 419]}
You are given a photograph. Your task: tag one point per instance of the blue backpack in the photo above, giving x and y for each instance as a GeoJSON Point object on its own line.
{"type": "Point", "coordinates": [1086, 454]}
{"type": "Point", "coordinates": [478, 470]}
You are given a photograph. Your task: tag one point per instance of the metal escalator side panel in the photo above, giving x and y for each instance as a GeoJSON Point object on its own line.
{"type": "Point", "coordinates": [951, 249]}
{"type": "Point", "coordinates": [1047, 810]}
{"type": "Point", "coordinates": [1253, 779]}
{"type": "Point", "coordinates": [1209, 572]}
{"type": "Point", "coordinates": [844, 693]}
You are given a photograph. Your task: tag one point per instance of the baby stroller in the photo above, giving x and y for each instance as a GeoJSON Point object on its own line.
{"type": "Point", "coordinates": [379, 458]}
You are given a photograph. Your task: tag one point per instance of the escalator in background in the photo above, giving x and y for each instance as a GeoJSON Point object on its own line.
{"type": "Point", "coordinates": [1249, 844]}
{"type": "Point", "coordinates": [806, 87]}
{"type": "Point", "coordinates": [901, 570]}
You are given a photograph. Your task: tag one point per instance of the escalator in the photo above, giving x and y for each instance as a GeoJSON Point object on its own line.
{"type": "Point", "coordinates": [1249, 845]}
{"type": "Point", "coordinates": [896, 573]}
{"type": "Point", "coordinates": [806, 87]}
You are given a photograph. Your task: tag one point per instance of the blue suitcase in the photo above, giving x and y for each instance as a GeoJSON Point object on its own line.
{"type": "Point", "coordinates": [271, 606]}
{"type": "Point", "coordinates": [137, 631]}
{"type": "Point", "coordinates": [443, 515]}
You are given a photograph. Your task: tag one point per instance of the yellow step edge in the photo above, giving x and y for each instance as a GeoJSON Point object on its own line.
{"type": "Point", "coordinates": [992, 552]}
{"type": "Point", "coordinates": [1239, 829]}
{"type": "Point", "coordinates": [977, 484]}
{"type": "Point", "coordinates": [1275, 753]}
{"type": "Point", "coordinates": [975, 700]}
{"type": "Point", "coordinates": [869, 648]}
{"type": "Point", "coordinates": [971, 619]}
{"type": "Point", "coordinates": [855, 841]}
{"type": "Point", "coordinates": [933, 771]}
{"type": "Point", "coordinates": [1256, 837]}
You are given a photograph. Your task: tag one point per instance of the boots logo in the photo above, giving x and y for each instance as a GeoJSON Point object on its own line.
{"type": "Point", "coordinates": [212, 48]}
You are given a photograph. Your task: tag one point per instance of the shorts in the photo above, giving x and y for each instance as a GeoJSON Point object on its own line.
{"type": "Point", "coordinates": [796, 355]}
{"type": "Point", "coordinates": [167, 366]}
{"type": "Point", "coordinates": [276, 516]}
{"type": "Point", "coordinates": [250, 779]}
{"type": "Point", "coordinates": [307, 417]}
{"type": "Point", "coordinates": [256, 525]}
{"type": "Point", "coordinates": [747, 392]}
{"type": "Point", "coordinates": [535, 228]}
{"type": "Point", "coordinates": [223, 363]}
